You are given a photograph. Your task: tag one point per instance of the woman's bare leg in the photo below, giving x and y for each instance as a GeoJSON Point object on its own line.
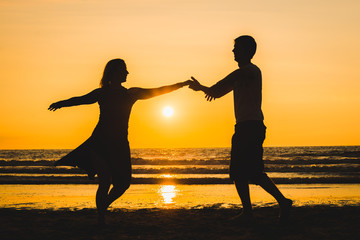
{"type": "Point", "coordinates": [116, 191]}
{"type": "Point", "coordinates": [102, 194]}
{"type": "Point", "coordinates": [102, 197]}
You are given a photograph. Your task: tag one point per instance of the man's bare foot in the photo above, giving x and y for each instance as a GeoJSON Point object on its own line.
{"type": "Point", "coordinates": [243, 217]}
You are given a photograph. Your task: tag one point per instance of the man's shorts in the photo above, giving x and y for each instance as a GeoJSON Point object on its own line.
{"type": "Point", "coordinates": [247, 151]}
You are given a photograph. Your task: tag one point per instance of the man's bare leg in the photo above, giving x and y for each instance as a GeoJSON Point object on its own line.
{"type": "Point", "coordinates": [269, 186]}
{"type": "Point", "coordinates": [242, 188]}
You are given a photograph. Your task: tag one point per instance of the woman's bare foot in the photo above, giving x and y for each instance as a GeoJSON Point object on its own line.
{"type": "Point", "coordinates": [101, 219]}
{"type": "Point", "coordinates": [285, 207]}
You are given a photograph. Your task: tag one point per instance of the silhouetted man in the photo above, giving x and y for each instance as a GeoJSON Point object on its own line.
{"type": "Point", "coordinates": [247, 143]}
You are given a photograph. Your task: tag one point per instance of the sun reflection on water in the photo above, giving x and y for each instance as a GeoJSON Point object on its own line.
{"type": "Point", "coordinates": [168, 192]}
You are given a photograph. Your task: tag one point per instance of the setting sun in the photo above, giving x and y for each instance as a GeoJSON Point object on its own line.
{"type": "Point", "coordinates": [299, 91]}
{"type": "Point", "coordinates": [168, 111]}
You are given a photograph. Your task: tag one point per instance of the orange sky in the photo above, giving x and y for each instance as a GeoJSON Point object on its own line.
{"type": "Point", "coordinates": [53, 50]}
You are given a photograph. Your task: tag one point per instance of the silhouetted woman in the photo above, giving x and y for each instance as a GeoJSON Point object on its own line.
{"type": "Point", "coordinates": [107, 153]}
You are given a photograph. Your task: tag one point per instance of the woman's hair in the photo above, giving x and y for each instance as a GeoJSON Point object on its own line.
{"type": "Point", "coordinates": [110, 68]}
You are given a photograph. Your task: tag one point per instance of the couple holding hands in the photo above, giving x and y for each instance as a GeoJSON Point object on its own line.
{"type": "Point", "coordinates": [107, 153]}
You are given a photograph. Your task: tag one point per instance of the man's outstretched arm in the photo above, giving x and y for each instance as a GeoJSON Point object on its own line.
{"type": "Point", "coordinates": [216, 91]}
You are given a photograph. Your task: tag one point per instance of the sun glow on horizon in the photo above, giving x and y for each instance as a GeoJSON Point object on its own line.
{"type": "Point", "coordinates": [62, 47]}
{"type": "Point", "coordinates": [167, 176]}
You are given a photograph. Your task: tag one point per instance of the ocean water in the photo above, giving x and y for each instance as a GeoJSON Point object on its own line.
{"type": "Point", "coordinates": [285, 165]}
{"type": "Point", "coordinates": [183, 178]}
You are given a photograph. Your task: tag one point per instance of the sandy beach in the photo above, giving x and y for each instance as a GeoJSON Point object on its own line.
{"type": "Point", "coordinates": [39, 206]}
{"type": "Point", "coordinates": [320, 222]}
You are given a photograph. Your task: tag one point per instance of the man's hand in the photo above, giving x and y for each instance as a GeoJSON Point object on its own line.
{"type": "Point", "coordinates": [55, 106]}
{"type": "Point", "coordinates": [209, 98]}
{"type": "Point", "coordinates": [195, 85]}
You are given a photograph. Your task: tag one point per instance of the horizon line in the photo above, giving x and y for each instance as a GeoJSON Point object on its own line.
{"type": "Point", "coordinates": [284, 146]}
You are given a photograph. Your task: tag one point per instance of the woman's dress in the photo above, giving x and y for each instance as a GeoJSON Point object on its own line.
{"type": "Point", "coordinates": [108, 141]}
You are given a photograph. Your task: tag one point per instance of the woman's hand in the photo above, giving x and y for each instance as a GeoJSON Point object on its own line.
{"type": "Point", "coordinates": [186, 83]}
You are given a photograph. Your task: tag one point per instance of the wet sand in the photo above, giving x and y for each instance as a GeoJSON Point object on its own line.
{"type": "Point", "coordinates": [316, 222]}
{"type": "Point", "coordinates": [77, 197]}
{"type": "Point", "coordinates": [178, 212]}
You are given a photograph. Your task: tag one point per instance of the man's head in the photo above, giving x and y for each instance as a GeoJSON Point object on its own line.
{"type": "Point", "coordinates": [244, 48]}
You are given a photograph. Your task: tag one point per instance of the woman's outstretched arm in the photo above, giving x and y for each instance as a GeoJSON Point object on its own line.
{"type": "Point", "coordinates": [145, 93]}
{"type": "Point", "coordinates": [89, 98]}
